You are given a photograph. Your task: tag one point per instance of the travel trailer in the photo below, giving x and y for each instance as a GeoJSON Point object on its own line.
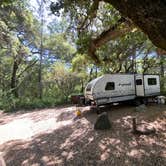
{"type": "Point", "coordinates": [114, 88]}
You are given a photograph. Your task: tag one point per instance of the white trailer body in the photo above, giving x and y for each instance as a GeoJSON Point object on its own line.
{"type": "Point", "coordinates": [112, 88]}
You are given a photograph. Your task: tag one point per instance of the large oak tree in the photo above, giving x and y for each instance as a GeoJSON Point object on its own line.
{"type": "Point", "coordinates": [147, 15]}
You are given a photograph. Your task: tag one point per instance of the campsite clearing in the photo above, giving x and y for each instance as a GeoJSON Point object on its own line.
{"type": "Point", "coordinates": [54, 137]}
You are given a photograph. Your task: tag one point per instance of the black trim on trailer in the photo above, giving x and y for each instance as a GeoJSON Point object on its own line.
{"type": "Point", "coordinates": [151, 74]}
{"type": "Point", "coordinates": [114, 96]}
{"type": "Point", "coordinates": [135, 84]}
{"type": "Point", "coordinates": [124, 95]}
{"type": "Point", "coordinates": [143, 80]}
{"type": "Point", "coordinates": [129, 74]}
{"type": "Point", "coordinates": [153, 94]}
{"type": "Point", "coordinates": [160, 82]}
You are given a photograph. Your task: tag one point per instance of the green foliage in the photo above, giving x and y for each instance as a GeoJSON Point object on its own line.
{"type": "Point", "coordinates": [64, 79]}
{"type": "Point", "coordinates": [20, 39]}
{"type": "Point", "coordinates": [38, 103]}
{"type": "Point", "coordinates": [8, 102]}
{"type": "Point", "coordinates": [59, 47]}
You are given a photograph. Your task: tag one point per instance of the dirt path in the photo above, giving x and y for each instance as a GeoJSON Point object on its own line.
{"type": "Point", "coordinates": [25, 126]}
{"type": "Point", "coordinates": [52, 137]}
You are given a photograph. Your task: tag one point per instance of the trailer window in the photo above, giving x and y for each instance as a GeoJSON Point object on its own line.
{"type": "Point", "coordinates": [152, 81]}
{"type": "Point", "coordinates": [89, 86]}
{"type": "Point", "coordinates": [110, 86]}
{"type": "Point", "coordinates": [139, 82]}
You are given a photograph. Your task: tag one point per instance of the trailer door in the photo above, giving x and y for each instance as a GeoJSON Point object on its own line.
{"type": "Point", "coordinates": [139, 83]}
{"type": "Point", "coordinates": [152, 85]}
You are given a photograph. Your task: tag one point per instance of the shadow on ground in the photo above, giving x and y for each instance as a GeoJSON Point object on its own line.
{"type": "Point", "coordinates": [79, 144]}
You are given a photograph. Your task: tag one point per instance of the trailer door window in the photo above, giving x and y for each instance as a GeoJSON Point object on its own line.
{"type": "Point", "coordinates": [139, 82]}
{"type": "Point", "coordinates": [110, 86]}
{"type": "Point", "coordinates": [152, 81]}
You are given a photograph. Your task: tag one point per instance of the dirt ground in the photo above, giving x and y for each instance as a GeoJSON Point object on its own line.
{"type": "Point", "coordinates": [51, 137]}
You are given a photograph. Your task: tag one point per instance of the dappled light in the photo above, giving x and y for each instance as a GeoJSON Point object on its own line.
{"type": "Point", "coordinates": [24, 126]}
{"type": "Point", "coordinates": [75, 142]}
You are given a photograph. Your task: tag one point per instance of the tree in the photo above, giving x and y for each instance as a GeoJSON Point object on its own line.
{"type": "Point", "coordinates": [148, 15]}
{"type": "Point", "coordinates": [162, 68]}
{"type": "Point", "coordinates": [83, 66]}
{"type": "Point", "coordinates": [58, 48]}
{"type": "Point", "coordinates": [18, 30]}
{"type": "Point", "coordinates": [64, 79]}
{"type": "Point", "coordinates": [41, 17]}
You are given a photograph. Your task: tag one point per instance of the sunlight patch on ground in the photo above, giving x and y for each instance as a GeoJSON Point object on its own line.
{"type": "Point", "coordinates": [26, 128]}
{"type": "Point", "coordinates": [136, 153]}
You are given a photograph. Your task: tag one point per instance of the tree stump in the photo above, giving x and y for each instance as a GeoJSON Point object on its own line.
{"type": "Point", "coordinates": [134, 125]}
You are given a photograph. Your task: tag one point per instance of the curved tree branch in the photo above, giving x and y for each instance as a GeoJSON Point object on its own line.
{"type": "Point", "coordinates": [122, 27]}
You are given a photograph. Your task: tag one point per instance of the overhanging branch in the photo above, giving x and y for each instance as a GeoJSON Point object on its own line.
{"type": "Point", "coordinates": [149, 16]}
{"type": "Point", "coordinates": [119, 29]}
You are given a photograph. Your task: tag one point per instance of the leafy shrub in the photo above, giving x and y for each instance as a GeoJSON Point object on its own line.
{"type": "Point", "coordinates": [10, 103]}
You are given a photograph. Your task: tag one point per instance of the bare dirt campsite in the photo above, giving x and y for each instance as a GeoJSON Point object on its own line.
{"type": "Point", "coordinates": [51, 137]}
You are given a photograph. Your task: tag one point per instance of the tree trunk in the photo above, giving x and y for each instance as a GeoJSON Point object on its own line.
{"type": "Point", "coordinates": [162, 65]}
{"type": "Point", "coordinates": [14, 79]}
{"type": "Point", "coordinates": [40, 79]}
{"type": "Point", "coordinates": [96, 72]}
{"type": "Point", "coordinates": [90, 74]}
{"type": "Point", "coordinates": [162, 58]}
{"type": "Point", "coordinates": [41, 14]}
{"type": "Point", "coordinates": [134, 125]}
{"type": "Point", "coordinates": [82, 85]}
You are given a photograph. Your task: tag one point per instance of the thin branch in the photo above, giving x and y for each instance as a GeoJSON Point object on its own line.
{"type": "Point", "coordinates": [29, 66]}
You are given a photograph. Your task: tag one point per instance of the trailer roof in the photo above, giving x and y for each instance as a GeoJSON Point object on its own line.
{"type": "Point", "coordinates": [95, 80]}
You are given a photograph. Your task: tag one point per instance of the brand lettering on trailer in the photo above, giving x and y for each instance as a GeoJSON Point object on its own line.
{"type": "Point", "coordinates": [125, 84]}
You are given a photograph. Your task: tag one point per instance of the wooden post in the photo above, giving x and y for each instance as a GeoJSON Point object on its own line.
{"type": "Point", "coordinates": [134, 125]}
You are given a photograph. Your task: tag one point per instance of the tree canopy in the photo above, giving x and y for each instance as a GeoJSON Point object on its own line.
{"type": "Point", "coordinates": [115, 19]}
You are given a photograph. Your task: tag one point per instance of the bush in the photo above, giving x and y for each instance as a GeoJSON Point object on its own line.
{"type": "Point", "coordinates": [10, 103]}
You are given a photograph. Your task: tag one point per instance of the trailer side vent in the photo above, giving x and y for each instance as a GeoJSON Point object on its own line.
{"type": "Point", "coordinates": [152, 81]}
{"type": "Point", "coordinates": [110, 86]}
